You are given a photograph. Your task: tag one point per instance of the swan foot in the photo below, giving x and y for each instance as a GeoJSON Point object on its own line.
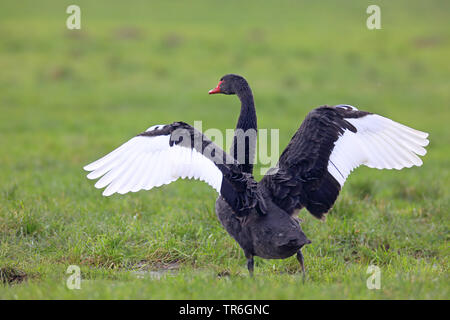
{"type": "Point", "coordinates": [250, 264]}
{"type": "Point", "coordinates": [301, 261]}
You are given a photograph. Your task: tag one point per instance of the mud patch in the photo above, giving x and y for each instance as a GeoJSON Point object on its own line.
{"type": "Point", "coordinates": [173, 40]}
{"type": "Point", "coordinates": [155, 270]}
{"type": "Point", "coordinates": [128, 33]}
{"type": "Point", "coordinates": [428, 41]}
{"type": "Point", "coordinates": [223, 274]}
{"type": "Point", "coordinates": [9, 275]}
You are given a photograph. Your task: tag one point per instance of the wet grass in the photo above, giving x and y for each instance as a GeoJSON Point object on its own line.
{"type": "Point", "coordinates": [68, 97]}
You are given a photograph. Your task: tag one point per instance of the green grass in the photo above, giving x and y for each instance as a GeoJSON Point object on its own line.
{"type": "Point", "coordinates": [68, 97]}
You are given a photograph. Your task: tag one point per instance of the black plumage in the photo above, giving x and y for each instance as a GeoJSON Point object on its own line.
{"type": "Point", "coordinates": [302, 178]}
{"type": "Point", "coordinates": [260, 216]}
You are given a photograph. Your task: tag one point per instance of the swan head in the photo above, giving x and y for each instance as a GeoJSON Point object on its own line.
{"type": "Point", "coordinates": [230, 84]}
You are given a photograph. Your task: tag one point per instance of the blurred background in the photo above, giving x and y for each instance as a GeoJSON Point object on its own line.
{"type": "Point", "coordinates": [69, 96]}
{"type": "Point", "coordinates": [154, 61]}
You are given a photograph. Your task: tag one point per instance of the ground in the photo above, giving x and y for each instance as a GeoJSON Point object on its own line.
{"type": "Point", "coordinates": [68, 97]}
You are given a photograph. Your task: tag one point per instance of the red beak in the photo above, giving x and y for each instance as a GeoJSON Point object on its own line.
{"type": "Point", "coordinates": [216, 89]}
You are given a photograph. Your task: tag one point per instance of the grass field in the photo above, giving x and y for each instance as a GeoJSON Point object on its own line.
{"type": "Point", "coordinates": [69, 97]}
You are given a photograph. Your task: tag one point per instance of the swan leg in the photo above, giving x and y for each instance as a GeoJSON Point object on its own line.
{"type": "Point", "coordinates": [301, 261]}
{"type": "Point", "coordinates": [250, 264]}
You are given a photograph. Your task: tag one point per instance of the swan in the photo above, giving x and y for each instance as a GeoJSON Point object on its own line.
{"type": "Point", "coordinates": [262, 216]}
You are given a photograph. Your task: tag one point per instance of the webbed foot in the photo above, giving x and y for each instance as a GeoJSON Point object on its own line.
{"type": "Point", "coordinates": [301, 261]}
{"type": "Point", "coordinates": [250, 264]}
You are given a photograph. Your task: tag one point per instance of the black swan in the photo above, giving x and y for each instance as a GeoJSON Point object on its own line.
{"type": "Point", "coordinates": [261, 216]}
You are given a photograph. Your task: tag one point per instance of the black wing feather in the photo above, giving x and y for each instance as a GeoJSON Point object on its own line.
{"type": "Point", "coordinates": [302, 178]}
{"type": "Point", "coordinates": [238, 188]}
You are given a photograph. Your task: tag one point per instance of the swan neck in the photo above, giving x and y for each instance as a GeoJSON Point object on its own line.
{"type": "Point", "coordinates": [247, 117]}
{"type": "Point", "coordinates": [245, 133]}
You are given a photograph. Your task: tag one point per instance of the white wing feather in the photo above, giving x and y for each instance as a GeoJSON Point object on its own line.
{"type": "Point", "coordinates": [148, 162]}
{"type": "Point", "coordinates": [378, 143]}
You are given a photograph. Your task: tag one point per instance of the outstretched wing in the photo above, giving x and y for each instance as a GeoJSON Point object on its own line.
{"type": "Point", "coordinates": [330, 143]}
{"type": "Point", "coordinates": [164, 153]}
{"type": "Point", "coordinates": [159, 156]}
